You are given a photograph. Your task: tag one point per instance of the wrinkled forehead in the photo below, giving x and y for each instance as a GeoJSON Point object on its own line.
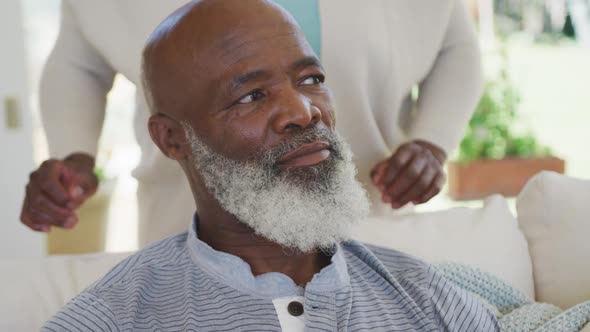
{"type": "Point", "coordinates": [242, 43]}
{"type": "Point", "coordinates": [249, 36]}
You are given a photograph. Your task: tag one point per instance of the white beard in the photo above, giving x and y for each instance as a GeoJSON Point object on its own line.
{"type": "Point", "coordinates": [302, 215]}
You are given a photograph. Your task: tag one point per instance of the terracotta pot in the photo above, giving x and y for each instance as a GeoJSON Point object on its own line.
{"type": "Point", "coordinates": [507, 177]}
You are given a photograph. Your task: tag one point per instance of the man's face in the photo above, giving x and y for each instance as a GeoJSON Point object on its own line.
{"type": "Point", "coordinates": [261, 88]}
{"type": "Point", "coordinates": [260, 126]}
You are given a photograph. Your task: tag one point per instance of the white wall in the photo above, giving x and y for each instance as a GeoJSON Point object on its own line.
{"type": "Point", "coordinates": [16, 155]}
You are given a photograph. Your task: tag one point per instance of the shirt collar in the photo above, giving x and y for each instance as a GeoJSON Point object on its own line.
{"type": "Point", "coordinates": [236, 273]}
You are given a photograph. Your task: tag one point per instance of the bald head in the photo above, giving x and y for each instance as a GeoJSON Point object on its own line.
{"type": "Point", "coordinates": [196, 43]}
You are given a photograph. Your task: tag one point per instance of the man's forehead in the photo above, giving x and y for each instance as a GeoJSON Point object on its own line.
{"type": "Point", "coordinates": [260, 49]}
{"type": "Point", "coordinates": [244, 41]}
{"type": "Point", "coordinates": [227, 27]}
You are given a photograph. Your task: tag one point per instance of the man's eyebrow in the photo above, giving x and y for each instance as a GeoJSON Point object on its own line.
{"type": "Point", "coordinates": [240, 80]}
{"type": "Point", "coordinates": [243, 79]}
{"type": "Point", "coordinates": [308, 61]}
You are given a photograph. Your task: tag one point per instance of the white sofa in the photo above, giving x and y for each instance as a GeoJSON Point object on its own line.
{"type": "Point", "coordinates": [545, 254]}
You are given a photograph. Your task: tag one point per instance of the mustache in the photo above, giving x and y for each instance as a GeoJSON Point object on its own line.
{"type": "Point", "coordinates": [271, 156]}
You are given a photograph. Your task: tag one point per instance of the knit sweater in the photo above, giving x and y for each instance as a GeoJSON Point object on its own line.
{"type": "Point", "coordinates": [513, 309]}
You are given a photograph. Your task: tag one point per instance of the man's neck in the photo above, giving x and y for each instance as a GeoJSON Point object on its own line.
{"type": "Point", "coordinates": [228, 235]}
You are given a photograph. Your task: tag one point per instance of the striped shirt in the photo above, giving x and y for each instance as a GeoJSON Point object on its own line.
{"type": "Point", "coordinates": [182, 284]}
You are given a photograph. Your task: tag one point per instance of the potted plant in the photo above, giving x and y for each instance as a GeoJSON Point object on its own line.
{"type": "Point", "coordinates": [493, 157]}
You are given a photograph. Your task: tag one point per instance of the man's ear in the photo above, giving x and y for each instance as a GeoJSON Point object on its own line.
{"type": "Point", "coordinates": [169, 136]}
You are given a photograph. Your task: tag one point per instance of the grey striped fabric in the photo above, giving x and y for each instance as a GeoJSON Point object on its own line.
{"type": "Point", "coordinates": [167, 287]}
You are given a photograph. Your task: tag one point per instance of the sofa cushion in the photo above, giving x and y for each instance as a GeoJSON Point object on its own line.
{"type": "Point", "coordinates": [554, 214]}
{"type": "Point", "coordinates": [487, 238]}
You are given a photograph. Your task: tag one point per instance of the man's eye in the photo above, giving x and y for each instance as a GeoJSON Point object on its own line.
{"type": "Point", "coordinates": [251, 97]}
{"type": "Point", "coordinates": [313, 80]}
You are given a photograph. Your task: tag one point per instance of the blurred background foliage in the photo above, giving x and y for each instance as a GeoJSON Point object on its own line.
{"type": "Point", "coordinates": [500, 127]}
{"type": "Point", "coordinates": [493, 129]}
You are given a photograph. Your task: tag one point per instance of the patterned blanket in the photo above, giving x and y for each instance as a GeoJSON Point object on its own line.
{"type": "Point", "coordinates": [515, 312]}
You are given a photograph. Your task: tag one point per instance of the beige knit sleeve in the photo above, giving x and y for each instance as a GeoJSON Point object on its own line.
{"type": "Point", "coordinates": [73, 90]}
{"type": "Point", "coordinates": [451, 90]}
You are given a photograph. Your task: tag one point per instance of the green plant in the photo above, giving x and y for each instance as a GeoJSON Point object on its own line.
{"type": "Point", "coordinates": [491, 133]}
{"type": "Point", "coordinates": [99, 172]}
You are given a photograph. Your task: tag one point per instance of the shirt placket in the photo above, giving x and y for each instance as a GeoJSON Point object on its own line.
{"type": "Point", "coordinates": [320, 312]}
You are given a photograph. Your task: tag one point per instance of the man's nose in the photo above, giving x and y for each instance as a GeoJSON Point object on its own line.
{"type": "Point", "coordinates": [294, 111]}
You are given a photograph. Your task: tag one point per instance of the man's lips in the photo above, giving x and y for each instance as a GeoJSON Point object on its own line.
{"type": "Point", "coordinates": [306, 155]}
